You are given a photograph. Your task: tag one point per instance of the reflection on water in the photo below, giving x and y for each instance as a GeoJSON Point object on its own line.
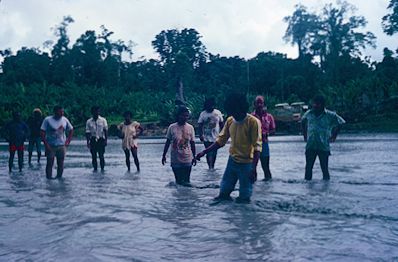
{"type": "Point", "coordinates": [117, 215]}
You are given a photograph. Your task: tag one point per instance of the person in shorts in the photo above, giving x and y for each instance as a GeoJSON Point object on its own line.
{"type": "Point", "coordinates": [97, 137]}
{"type": "Point", "coordinates": [267, 128]}
{"type": "Point", "coordinates": [15, 133]}
{"type": "Point", "coordinates": [53, 134]}
{"type": "Point", "coordinates": [210, 123]}
{"type": "Point", "coordinates": [129, 131]}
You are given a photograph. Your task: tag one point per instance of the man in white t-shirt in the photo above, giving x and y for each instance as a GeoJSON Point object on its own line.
{"type": "Point", "coordinates": [210, 123]}
{"type": "Point", "coordinates": [97, 137]}
{"type": "Point", "coordinates": [53, 131]}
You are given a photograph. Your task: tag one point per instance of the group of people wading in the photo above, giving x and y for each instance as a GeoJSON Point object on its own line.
{"type": "Point", "coordinates": [248, 134]}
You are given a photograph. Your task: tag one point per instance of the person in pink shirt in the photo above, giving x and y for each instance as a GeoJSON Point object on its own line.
{"type": "Point", "coordinates": [267, 128]}
{"type": "Point", "coordinates": [181, 137]}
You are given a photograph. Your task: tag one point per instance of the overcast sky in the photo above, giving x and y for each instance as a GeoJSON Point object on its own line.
{"type": "Point", "coordinates": [228, 27]}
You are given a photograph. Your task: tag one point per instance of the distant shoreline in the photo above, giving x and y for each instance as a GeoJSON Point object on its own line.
{"type": "Point", "coordinates": [81, 138]}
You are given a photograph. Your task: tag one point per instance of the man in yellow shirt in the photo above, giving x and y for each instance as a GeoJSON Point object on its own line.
{"type": "Point", "coordinates": [246, 143]}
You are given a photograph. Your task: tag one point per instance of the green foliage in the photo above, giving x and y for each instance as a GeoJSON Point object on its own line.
{"type": "Point", "coordinates": [390, 21]}
{"type": "Point", "coordinates": [332, 34]}
{"type": "Point", "coordinates": [170, 44]}
{"type": "Point", "coordinates": [91, 71]}
{"type": "Point", "coordinates": [302, 28]}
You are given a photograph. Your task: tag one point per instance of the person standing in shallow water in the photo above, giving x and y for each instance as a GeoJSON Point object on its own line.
{"type": "Point", "coordinates": [245, 133]}
{"type": "Point", "coordinates": [129, 132]}
{"type": "Point", "coordinates": [34, 123]}
{"type": "Point", "coordinates": [210, 122]}
{"type": "Point", "coordinates": [320, 127]}
{"type": "Point", "coordinates": [267, 128]}
{"type": "Point", "coordinates": [97, 137]}
{"type": "Point", "coordinates": [15, 133]}
{"type": "Point", "coordinates": [53, 131]}
{"type": "Point", "coordinates": [181, 137]}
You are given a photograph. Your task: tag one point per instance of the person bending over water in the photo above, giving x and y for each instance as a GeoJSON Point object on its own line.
{"type": "Point", "coordinates": [53, 131]}
{"type": "Point", "coordinates": [180, 136]}
{"type": "Point", "coordinates": [97, 137]}
{"type": "Point", "coordinates": [210, 122]}
{"type": "Point", "coordinates": [129, 132]}
{"type": "Point", "coordinates": [15, 133]}
{"type": "Point", "coordinates": [320, 127]}
{"type": "Point", "coordinates": [245, 133]}
{"type": "Point", "coordinates": [34, 123]}
{"type": "Point", "coordinates": [267, 128]}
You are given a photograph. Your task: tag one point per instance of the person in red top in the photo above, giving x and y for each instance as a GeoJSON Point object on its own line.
{"type": "Point", "coordinates": [267, 128]}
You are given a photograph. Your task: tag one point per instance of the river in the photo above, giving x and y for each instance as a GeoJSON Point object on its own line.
{"type": "Point", "coordinates": [120, 216]}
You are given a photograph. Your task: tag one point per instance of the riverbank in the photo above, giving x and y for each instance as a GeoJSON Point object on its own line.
{"type": "Point", "coordinates": [385, 123]}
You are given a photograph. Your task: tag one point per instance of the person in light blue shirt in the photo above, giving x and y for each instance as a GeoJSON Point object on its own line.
{"type": "Point", "coordinates": [320, 127]}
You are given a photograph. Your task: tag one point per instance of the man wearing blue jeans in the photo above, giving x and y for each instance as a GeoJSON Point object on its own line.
{"type": "Point", "coordinates": [245, 133]}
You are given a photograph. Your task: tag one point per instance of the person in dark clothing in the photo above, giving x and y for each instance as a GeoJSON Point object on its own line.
{"type": "Point", "coordinates": [34, 123]}
{"type": "Point", "coordinates": [320, 127]}
{"type": "Point", "coordinates": [15, 133]}
{"type": "Point", "coordinates": [97, 137]}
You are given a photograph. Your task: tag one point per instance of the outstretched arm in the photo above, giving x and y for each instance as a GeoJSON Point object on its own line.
{"type": "Point", "coordinates": [221, 141]}
{"type": "Point", "coordinates": [211, 148]}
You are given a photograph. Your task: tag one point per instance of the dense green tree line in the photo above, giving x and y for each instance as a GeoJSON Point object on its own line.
{"type": "Point", "coordinates": [93, 70]}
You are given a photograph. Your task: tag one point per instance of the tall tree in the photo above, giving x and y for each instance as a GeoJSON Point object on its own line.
{"type": "Point", "coordinates": [61, 47]}
{"type": "Point", "coordinates": [390, 21]}
{"type": "Point", "coordinates": [87, 58]}
{"type": "Point", "coordinates": [111, 53]}
{"type": "Point", "coordinates": [339, 36]}
{"type": "Point", "coordinates": [61, 65]}
{"type": "Point", "coordinates": [180, 53]}
{"type": "Point", "coordinates": [339, 33]}
{"type": "Point", "coordinates": [301, 29]}
{"type": "Point", "coordinates": [168, 44]}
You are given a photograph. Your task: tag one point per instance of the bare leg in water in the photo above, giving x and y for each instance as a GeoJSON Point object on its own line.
{"type": "Point", "coordinates": [11, 160]}
{"type": "Point", "coordinates": [134, 152]}
{"type": "Point", "coordinates": [127, 154]}
{"type": "Point", "coordinates": [265, 166]}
